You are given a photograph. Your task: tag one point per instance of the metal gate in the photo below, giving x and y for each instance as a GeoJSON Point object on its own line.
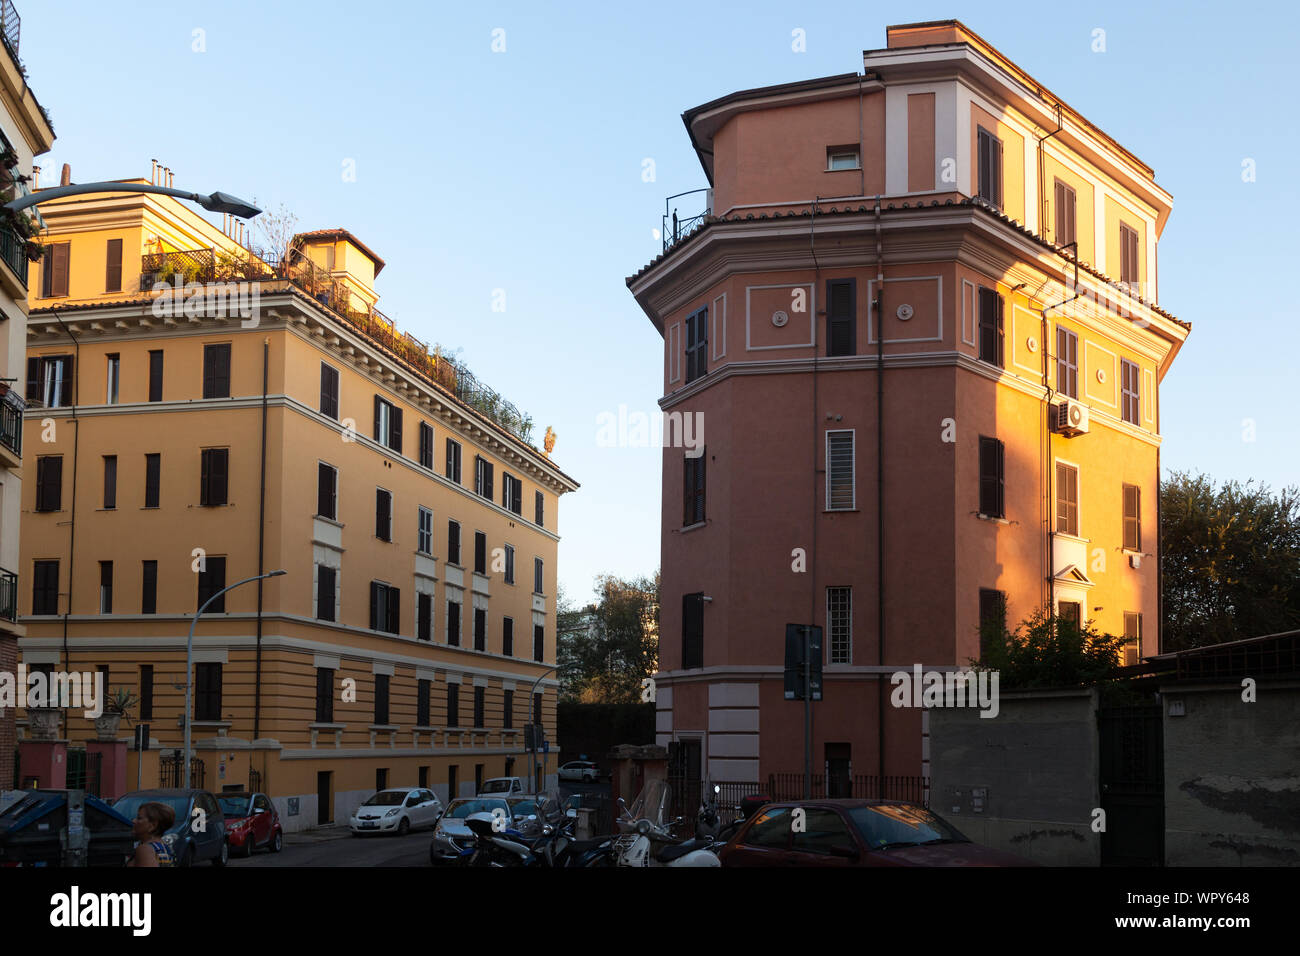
{"type": "Point", "coordinates": [1131, 749]}
{"type": "Point", "coordinates": [84, 770]}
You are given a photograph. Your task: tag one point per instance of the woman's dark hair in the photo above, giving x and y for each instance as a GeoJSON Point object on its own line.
{"type": "Point", "coordinates": [159, 814]}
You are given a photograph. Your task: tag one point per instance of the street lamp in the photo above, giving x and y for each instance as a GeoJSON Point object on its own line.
{"type": "Point", "coordinates": [189, 657]}
{"type": "Point", "coordinates": [216, 202]}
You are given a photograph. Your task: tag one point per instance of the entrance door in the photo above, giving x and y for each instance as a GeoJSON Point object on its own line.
{"type": "Point", "coordinates": [324, 798]}
{"type": "Point", "coordinates": [839, 770]}
{"type": "Point", "coordinates": [1132, 785]}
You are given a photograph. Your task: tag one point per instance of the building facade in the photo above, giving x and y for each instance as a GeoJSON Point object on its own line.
{"type": "Point", "coordinates": [25, 132]}
{"type": "Point", "coordinates": [270, 417]}
{"type": "Point", "coordinates": [918, 324]}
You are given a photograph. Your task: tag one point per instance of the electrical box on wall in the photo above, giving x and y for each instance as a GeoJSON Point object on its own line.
{"type": "Point", "coordinates": [960, 800]}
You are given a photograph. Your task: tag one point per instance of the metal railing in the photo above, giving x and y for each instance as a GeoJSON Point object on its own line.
{"type": "Point", "coordinates": [170, 774]}
{"type": "Point", "coordinates": [675, 228]}
{"type": "Point", "coordinates": [8, 595]}
{"type": "Point", "coordinates": [12, 25]}
{"type": "Point", "coordinates": [11, 427]}
{"type": "Point", "coordinates": [13, 250]}
{"type": "Point", "coordinates": [789, 786]}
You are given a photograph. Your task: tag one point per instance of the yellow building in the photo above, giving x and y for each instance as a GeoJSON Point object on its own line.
{"type": "Point", "coordinates": [270, 417]}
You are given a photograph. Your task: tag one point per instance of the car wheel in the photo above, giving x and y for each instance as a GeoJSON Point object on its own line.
{"type": "Point", "coordinates": [222, 858]}
{"type": "Point", "coordinates": [188, 858]}
{"type": "Point", "coordinates": [356, 833]}
{"type": "Point", "coordinates": [247, 849]}
{"type": "Point", "coordinates": [403, 827]}
{"type": "Point", "coordinates": [588, 778]}
{"type": "Point", "coordinates": [277, 842]}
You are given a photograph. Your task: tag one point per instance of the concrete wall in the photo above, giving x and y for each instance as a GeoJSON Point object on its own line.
{"type": "Point", "coordinates": [1037, 765]}
{"type": "Point", "coordinates": [1246, 810]}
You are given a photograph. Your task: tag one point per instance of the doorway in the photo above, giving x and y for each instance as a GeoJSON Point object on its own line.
{"type": "Point", "coordinates": [324, 797]}
{"type": "Point", "coordinates": [839, 770]}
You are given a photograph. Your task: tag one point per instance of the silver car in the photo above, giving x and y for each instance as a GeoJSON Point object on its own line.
{"type": "Point", "coordinates": [451, 837]}
{"type": "Point", "coordinates": [397, 810]}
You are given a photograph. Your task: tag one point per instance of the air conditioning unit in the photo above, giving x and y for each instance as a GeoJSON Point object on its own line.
{"type": "Point", "coordinates": [1135, 560]}
{"type": "Point", "coordinates": [1071, 419]}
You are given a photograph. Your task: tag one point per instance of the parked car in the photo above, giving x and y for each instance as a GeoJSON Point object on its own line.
{"type": "Point", "coordinates": [199, 832]}
{"type": "Point", "coordinates": [396, 810]}
{"type": "Point", "coordinates": [502, 787]}
{"type": "Point", "coordinates": [855, 833]}
{"type": "Point", "coordinates": [529, 812]}
{"type": "Point", "coordinates": [251, 822]}
{"type": "Point", "coordinates": [452, 836]}
{"type": "Point", "coordinates": [583, 770]}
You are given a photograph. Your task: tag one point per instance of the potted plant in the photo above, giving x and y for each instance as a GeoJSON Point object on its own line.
{"type": "Point", "coordinates": [43, 722]}
{"type": "Point", "coordinates": [8, 157]}
{"type": "Point", "coordinates": [115, 708]}
{"type": "Point", "coordinates": [35, 250]}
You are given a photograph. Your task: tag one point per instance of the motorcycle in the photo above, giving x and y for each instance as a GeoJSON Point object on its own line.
{"type": "Point", "coordinates": [645, 838]}
{"type": "Point", "coordinates": [497, 845]}
{"type": "Point", "coordinates": [721, 834]}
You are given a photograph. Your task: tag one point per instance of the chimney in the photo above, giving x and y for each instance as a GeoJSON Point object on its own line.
{"type": "Point", "coordinates": [36, 177]}
{"type": "Point", "coordinates": [153, 173]}
{"type": "Point", "coordinates": [66, 178]}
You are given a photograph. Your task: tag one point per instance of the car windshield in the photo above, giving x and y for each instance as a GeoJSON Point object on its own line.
{"type": "Point", "coordinates": [130, 806]}
{"type": "Point", "coordinates": [240, 806]}
{"type": "Point", "coordinates": [386, 798]}
{"type": "Point", "coordinates": [902, 825]}
{"type": "Point", "coordinates": [497, 786]}
{"type": "Point", "coordinates": [522, 808]}
{"type": "Point", "coordinates": [460, 809]}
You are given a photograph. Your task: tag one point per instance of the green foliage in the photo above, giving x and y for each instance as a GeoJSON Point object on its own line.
{"type": "Point", "coordinates": [1231, 560]}
{"type": "Point", "coordinates": [607, 649]}
{"type": "Point", "coordinates": [1048, 651]}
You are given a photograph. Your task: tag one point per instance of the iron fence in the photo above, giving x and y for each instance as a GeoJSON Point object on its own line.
{"type": "Point", "coordinates": [84, 770]}
{"type": "Point", "coordinates": [8, 595]}
{"type": "Point", "coordinates": [170, 774]}
{"type": "Point", "coordinates": [13, 250]}
{"type": "Point", "coordinates": [913, 789]}
{"type": "Point", "coordinates": [12, 25]}
{"type": "Point", "coordinates": [254, 780]}
{"type": "Point", "coordinates": [11, 426]}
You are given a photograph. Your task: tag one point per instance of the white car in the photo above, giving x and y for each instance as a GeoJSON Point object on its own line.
{"type": "Point", "coordinates": [583, 770]}
{"type": "Point", "coordinates": [398, 810]}
{"type": "Point", "coordinates": [503, 787]}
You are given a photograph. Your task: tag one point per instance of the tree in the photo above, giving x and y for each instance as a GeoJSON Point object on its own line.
{"type": "Point", "coordinates": [1230, 560]}
{"type": "Point", "coordinates": [1049, 651]}
{"type": "Point", "coordinates": [607, 649]}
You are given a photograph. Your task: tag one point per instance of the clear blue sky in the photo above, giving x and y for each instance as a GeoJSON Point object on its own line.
{"type": "Point", "coordinates": [522, 171]}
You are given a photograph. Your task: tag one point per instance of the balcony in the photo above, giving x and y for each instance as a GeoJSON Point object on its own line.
{"type": "Point", "coordinates": [11, 430]}
{"type": "Point", "coordinates": [8, 596]}
{"type": "Point", "coordinates": [11, 24]}
{"type": "Point", "coordinates": [677, 227]}
{"type": "Point", "coordinates": [13, 250]}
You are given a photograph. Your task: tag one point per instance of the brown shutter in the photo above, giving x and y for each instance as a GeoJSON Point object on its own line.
{"type": "Point", "coordinates": [60, 279]}
{"type": "Point", "coordinates": [113, 273]}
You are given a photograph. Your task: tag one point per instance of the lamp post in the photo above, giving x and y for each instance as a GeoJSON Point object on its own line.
{"type": "Point", "coordinates": [215, 202]}
{"type": "Point", "coordinates": [189, 657]}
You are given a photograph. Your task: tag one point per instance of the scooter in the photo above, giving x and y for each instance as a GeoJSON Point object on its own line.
{"type": "Point", "coordinates": [645, 839]}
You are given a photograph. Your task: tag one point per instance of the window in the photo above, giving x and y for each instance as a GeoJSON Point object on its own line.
{"type": "Point", "coordinates": [453, 709]}
{"type": "Point", "coordinates": [839, 622]}
{"type": "Point", "coordinates": [453, 623]}
{"type": "Point", "coordinates": [424, 617]}
{"type": "Point", "coordinates": [422, 692]}
{"type": "Point", "coordinates": [113, 267]}
{"type": "Point", "coordinates": [508, 636]}
{"type": "Point", "coordinates": [990, 167]}
{"type": "Point", "coordinates": [1128, 377]}
{"type": "Point", "coordinates": [992, 336]}
{"type": "Point", "coordinates": [1132, 638]}
{"type": "Point", "coordinates": [155, 375]}
{"type": "Point", "coordinates": [508, 710]}
{"type": "Point", "coordinates": [326, 585]}
{"type": "Point", "coordinates": [453, 461]}
{"type": "Point", "coordinates": [216, 371]}
{"type": "Point", "coordinates": [539, 508]}
{"type": "Point", "coordinates": [383, 514]}
{"type": "Point", "coordinates": [693, 630]}
{"type": "Point", "coordinates": [482, 477]}
{"type": "Point", "coordinates": [149, 587]}
{"type": "Point", "coordinates": [207, 691]}
{"type": "Point", "coordinates": [1067, 499]}
{"type": "Point", "coordinates": [329, 391]}
{"type": "Point", "coordinates": [822, 830]}
{"type": "Point", "coordinates": [992, 479]}
{"type": "Point", "coordinates": [510, 564]}
{"type": "Point", "coordinates": [841, 317]}
{"type": "Point", "coordinates": [772, 829]}
{"type": "Point", "coordinates": [105, 587]}
{"type": "Point", "coordinates": [381, 778]}
{"type": "Point", "coordinates": [512, 493]}
{"type": "Point", "coordinates": [110, 482]}
{"type": "Point", "coordinates": [152, 479]}
{"type": "Point", "coordinates": [426, 445]}
{"type": "Point", "coordinates": [1071, 613]}
{"type": "Point", "coordinates": [215, 474]}
{"type": "Point", "coordinates": [49, 380]}
{"type": "Point", "coordinates": [453, 542]}
{"type": "Point", "coordinates": [113, 378]}
{"type": "Point", "coordinates": [693, 492]}
{"type": "Point", "coordinates": [479, 716]}
{"type": "Point", "coordinates": [146, 692]}
{"type": "Point", "coordinates": [388, 424]}
{"type": "Point", "coordinates": [327, 487]}
{"type": "Point", "coordinates": [324, 695]}
{"type": "Point", "coordinates": [842, 157]}
{"type": "Point", "coordinates": [212, 579]}
{"type": "Point", "coordinates": [54, 272]}
{"type": "Point", "coordinates": [1066, 206]}
{"type": "Point", "coordinates": [539, 642]}
{"type": "Point", "coordinates": [1128, 255]}
{"type": "Point", "coordinates": [424, 533]}
{"type": "Point", "coordinates": [480, 553]}
{"type": "Point", "coordinates": [537, 576]}
{"type": "Point", "coordinates": [1132, 518]}
{"type": "Point", "coordinates": [452, 792]}
{"type": "Point", "coordinates": [49, 483]}
{"type": "Point", "coordinates": [1067, 362]}
{"type": "Point", "coordinates": [993, 619]}
{"type": "Point", "coordinates": [480, 629]}
{"type": "Point", "coordinates": [840, 494]}
{"type": "Point", "coordinates": [697, 343]}
{"type": "Point", "coordinates": [381, 699]}
{"type": "Point", "coordinates": [385, 608]}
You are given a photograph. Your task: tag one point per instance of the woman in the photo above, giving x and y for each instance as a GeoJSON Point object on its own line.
{"type": "Point", "coordinates": [152, 820]}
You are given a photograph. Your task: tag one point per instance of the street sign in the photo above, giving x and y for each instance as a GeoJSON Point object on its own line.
{"type": "Point", "coordinates": [797, 637]}
{"type": "Point", "coordinates": [141, 737]}
{"type": "Point", "coordinates": [546, 748]}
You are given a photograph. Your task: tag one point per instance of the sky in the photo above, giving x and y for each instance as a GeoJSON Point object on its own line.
{"type": "Point", "coordinates": [517, 177]}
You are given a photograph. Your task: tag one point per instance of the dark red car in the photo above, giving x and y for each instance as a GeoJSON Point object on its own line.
{"type": "Point", "coordinates": [251, 822]}
{"type": "Point", "coordinates": [855, 833]}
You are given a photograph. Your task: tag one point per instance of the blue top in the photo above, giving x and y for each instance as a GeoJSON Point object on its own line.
{"type": "Point", "coordinates": [164, 853]}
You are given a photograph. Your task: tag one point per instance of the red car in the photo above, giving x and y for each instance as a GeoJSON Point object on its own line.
{"type": "Point", "coordinates": [855, 833]}
{"type": "Point", "coordinates": [251, 822]}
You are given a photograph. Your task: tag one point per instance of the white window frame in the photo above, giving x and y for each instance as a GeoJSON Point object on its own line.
{"type": "Point", "coordinates": [853, 443]}
{"type": "Point", "coordinates": [834, 153]}
{"type": "Point", "coordinates": [114, 376]}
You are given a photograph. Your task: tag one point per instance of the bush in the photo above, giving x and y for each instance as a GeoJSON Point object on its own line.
{"type": "Point", "coordinates": [1049, 651]}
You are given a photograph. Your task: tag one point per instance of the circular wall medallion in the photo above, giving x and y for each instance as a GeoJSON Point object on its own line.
{"type": "Point", "coordinates": [904, 312]}
{"type": "Point", "coordinates": [779, 318]}
{"type": "Point", "coordinates": [1101, 375]}
{"type": "Point", "coordinates": [1031, 343]}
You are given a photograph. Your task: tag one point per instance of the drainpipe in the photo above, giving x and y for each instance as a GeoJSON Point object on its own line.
{"type": "Point", "coordinates": [880, 495]}
{"type": "Point", "coordinates": [261, 541]}
{"type": "Point", "coordinates": [72, 530]}
{"type": "Point", "coordinates": [816, 516]}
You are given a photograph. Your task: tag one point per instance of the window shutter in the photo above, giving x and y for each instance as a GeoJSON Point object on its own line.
{"type": "Point", "coordinates": [113, 273]}
{"type": "Point", "coordinates": [1001, 331]}
{"type": "Point", "coordinates": [47, 273]}
{"type": "Point", "coordinates": [693, 630]}
{"type": "Point", "coordinates": [65, 390]}
{"type": "Point", "coordinates": [155, 375]}
{"type": "Point", "coordinates": [374, 605]}
{"type": "Point", "coordinates": [997, 171]}
{"type": "Point", "coordinates": [395, 610]}
{"type": "Point", "coordinates": [33, 378]}
{"type": "Point", "coordinates": [220, 475]}
{"type": "Point", "coordinates": [378, 406]}
{"type": "Point", "coordinates": [840, 316]}
{"type": "Point", "coordinates": [395, 442]}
